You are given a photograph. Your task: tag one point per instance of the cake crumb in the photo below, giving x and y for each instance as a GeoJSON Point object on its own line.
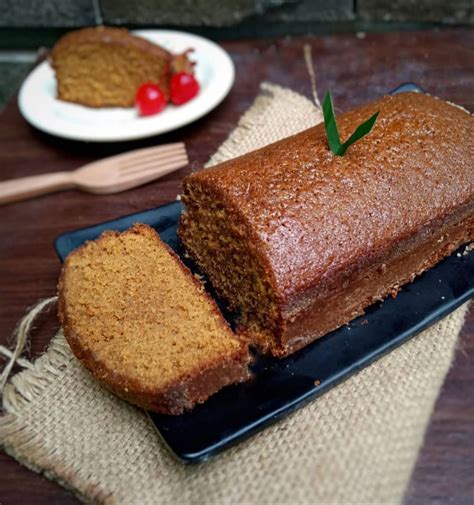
{"type": "Point", "coordinates": [469, 248]}
{"type": "Point", "coordinates": [317, 382]}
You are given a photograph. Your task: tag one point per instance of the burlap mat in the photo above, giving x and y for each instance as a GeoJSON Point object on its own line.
{"type": "Point", "coordinates": [356, 444]}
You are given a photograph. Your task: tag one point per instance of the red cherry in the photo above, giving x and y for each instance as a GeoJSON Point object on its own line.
{"type": "Point", "coordinates": [183, 87]}
{"type": "Point", "coordinates": [149, 99]}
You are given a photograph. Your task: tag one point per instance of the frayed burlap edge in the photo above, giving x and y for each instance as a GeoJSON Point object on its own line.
{"type": "Point", "coordinates": [24, 388]}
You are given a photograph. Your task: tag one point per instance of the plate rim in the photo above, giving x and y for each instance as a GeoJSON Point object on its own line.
{"type": "Point", "coordinates": [217, 99]}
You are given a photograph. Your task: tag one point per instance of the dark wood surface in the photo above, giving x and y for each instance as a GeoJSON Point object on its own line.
{"type": "Point", "coordinates": [356, 70]}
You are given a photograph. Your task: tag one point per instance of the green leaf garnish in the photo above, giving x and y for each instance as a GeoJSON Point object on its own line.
{"type": "Point", "coordinates": [330, 124]}
{"type": "Point", "coordinates": [334, 140]}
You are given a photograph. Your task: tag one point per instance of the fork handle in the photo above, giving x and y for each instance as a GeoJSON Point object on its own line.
{"type": "Point", "coordinates": [23, 188]}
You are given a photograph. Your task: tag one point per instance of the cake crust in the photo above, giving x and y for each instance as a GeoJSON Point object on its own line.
{"type": "Point", "coordinates": [334, 234]}
{"type": "Point", "coordinates": [109, 35]}
{"type": "Point", "coordinates": [179, 394]}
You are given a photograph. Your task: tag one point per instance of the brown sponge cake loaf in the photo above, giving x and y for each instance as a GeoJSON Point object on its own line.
{"type": "Point", "coordinates": [103, 66]}
{"type": "Point", "coordinates": [143, 325]}
{"type": "Point", "coordinates": [300, 241]}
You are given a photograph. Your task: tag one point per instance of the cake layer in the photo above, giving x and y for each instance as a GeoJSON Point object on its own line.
{"type": "Point", "coordinates": [143, 324]}
{"type": "Point", "coordinates": [300, 241]}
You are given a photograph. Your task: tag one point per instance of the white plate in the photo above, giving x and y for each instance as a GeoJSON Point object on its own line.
{"type": "Point", "coordinates": [40, 107]}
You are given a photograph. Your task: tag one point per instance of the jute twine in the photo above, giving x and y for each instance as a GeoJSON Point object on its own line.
{"type": "Point", "coordinates": [308, 58]}
{"type": "Point", "coordinates": [357, 444]}
{"type": "Point", "coordinates": [20, 339]}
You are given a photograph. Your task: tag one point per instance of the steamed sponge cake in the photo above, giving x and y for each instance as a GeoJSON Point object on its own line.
{"type": "Point", "coordinates": [300, 241]}
{"type": "Point", "coordinates": [136, 317]}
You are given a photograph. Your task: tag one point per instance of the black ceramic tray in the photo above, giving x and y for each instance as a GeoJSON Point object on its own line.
{"type": "Point", "coordinates": [282, 385]}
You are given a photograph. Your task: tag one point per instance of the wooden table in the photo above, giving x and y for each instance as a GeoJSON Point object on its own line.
{"type": "Point", "coordinates": [356, 69]}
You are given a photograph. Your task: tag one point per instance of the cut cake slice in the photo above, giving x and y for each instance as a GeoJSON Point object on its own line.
{"type": "Point", "coordinates": [137, 318]}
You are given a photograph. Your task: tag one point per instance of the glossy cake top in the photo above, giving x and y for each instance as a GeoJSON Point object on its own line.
{"type": "Point", "coordinates": [313, 213]}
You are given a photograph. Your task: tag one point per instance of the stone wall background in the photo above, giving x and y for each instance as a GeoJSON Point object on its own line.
{"type": "Point", "coordinates": [26, 25]}
{"type": "Point", "coordinates": [309, 14]}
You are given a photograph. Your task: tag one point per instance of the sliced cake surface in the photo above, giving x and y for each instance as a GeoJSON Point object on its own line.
{"type": "Point", "coordinates": [143, 324]}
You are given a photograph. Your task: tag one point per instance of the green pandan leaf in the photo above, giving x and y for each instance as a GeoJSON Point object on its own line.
{"type": "Point", "coordinates": [330, 124]}
{"type": "Point", "coordinates": [332, 133]}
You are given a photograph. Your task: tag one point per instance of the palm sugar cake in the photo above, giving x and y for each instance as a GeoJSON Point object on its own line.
{"type": "Point", "coordinates": [136, 317]}
{"type": "Point", "coordinates": [103, 66]}
{"type": "Point", "coordinates": [300, 241]}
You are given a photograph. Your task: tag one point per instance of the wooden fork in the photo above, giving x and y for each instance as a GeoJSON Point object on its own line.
{"type": "Point", "coordinates": [110, 175]}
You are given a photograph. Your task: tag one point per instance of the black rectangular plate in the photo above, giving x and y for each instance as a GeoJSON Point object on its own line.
{"type": "Point", "coordinates": [280, 386]}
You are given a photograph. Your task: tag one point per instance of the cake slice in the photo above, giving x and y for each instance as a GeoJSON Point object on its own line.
{"type": "Point", "coordinates": [137, 318]}
{"type": "Point", "coordinates": [103, 66]}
